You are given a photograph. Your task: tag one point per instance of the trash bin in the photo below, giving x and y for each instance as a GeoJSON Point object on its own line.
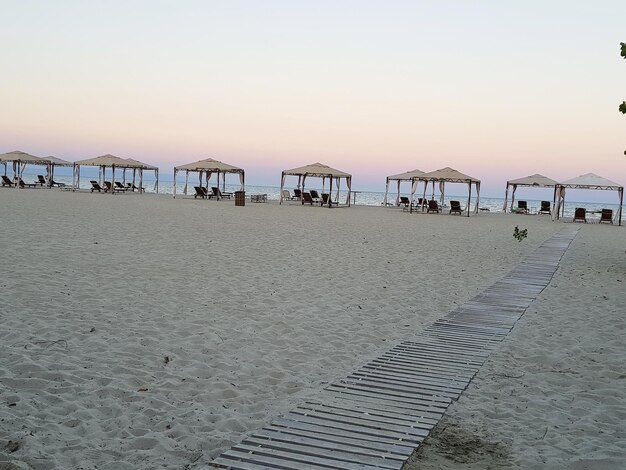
{"type": "Point", "coordinates": [240, 198]}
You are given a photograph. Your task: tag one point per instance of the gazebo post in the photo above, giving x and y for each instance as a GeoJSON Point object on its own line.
{"type": "Point", "coordinates": [330, 192]}
{"type": "Point", "coordinates": [621, 200]}
{"type": "Point", "coordinates": [506, 197]}
{"type": "Point", "coordinates": [469, 198]}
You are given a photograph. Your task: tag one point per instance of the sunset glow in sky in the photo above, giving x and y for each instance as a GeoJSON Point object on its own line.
{"type": "Point", "coordinates": [497, 90]}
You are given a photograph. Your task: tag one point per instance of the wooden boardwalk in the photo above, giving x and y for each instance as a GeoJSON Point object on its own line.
{"type": "Point", "coordinates": [377, 416]}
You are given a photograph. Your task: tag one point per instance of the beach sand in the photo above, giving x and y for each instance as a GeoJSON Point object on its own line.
{"type": "Point", "coordinates": [554, 394]}
{"type": "Point", "coordinates": [145, 332]}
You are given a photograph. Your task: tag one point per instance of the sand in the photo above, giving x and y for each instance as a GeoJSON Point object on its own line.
{"type": "Point", "coordinates": [554, 394]}
{"type": "Point", "coordinates": [145, 332]}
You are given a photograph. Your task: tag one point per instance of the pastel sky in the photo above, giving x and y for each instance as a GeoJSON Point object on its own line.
{"type": "Point", "coordinates": [495, 89]}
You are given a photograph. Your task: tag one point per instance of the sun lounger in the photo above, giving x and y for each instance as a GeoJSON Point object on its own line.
{"type": "Point", "coordinates": [326, 198]}
{"type": "Point", "coordinates": [606, 216]}
{"type": "Point", "coordinates": [219, 194]}
{"type": "Point", "coordinates": [111, 187]}
{"type": "Point", "coordinates": [545, 208]}
{"type": "Point", "coordinates": [201, 192]}
{"type": "Point", "coordinates": [54, 183]}
{"type": "Point", "coordinates": [297, 194]}
{"type": "Point", "coordinates": [432, 206]}
{"type": "Point", "coordinates": [41, 180]}
{"type": "Point", "coordinates": [404, 201]}
{"type": "Point", "coordinates": [306, 197]}
{"type": "Point", "coordinates": [6, 181]}
{"type": "Point", "coordinates": [580, 215]}
{"type": "Point", "coordinates": [24, 185]}
{"type": "Point", "coordinates": [95, 186]}
{"type": "Point", "coordinates": [522, 207]}
{"type": "Point", "coordinates": [120, 187]}
{"type": "Point", "coordinates": [455, 207]}
{"type": "Point", "coordinates": [315, 196]}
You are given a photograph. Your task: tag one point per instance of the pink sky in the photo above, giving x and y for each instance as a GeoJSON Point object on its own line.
{"type": "Point", "coordinates": [372, 88]}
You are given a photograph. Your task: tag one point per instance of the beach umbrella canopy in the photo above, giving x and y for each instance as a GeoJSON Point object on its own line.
{"type": "Point", "coordinates": [588, 181]}
{"type": "Point", "coordinates": [406, 176]}
{"type": "Point", "coordinates": [449, 175]}
{"type": "Point", "coordinates": [22, 157]}
{"type": "Point", "coordinates": [536, 181]}
{"type": "Point", "coordinates": [20, 160]}
{"type": "Point", "coordinates": [208, 166]}
{"type": "Point", "coordinates": [318, 170]}
{"type": "Point", "coordinates": [113, 162]}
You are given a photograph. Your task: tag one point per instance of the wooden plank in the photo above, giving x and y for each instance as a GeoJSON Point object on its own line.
{"type": "Point", "coordinates": [286, 460]}
{"type": "Point", "coordinates": [323, 430]}
{"type": "Point", "coordinates": [346, 455]}
{"type": "Point", "coordinates": [409, 387]}
{"type": "Point", "coordinates": [374, 417]}
{"type": "Point", "coordinates": [363, 421]}
{"type": "Point", "coordinates": [339, 442]}
{"type": "Point", "coordinates": [355, 428]}
{"type": "Point", "coordinates": [372, 410]}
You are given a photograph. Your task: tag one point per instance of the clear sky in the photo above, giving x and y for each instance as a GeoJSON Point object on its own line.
{"type": "Point", "coordinates": [495, 89]}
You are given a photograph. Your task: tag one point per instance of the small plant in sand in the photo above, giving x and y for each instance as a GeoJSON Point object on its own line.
{"type": "Point", "coordinates": [520, 234]}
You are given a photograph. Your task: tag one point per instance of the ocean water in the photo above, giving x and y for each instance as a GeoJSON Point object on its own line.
{"type": "Point", "coordinates": [360, 198]}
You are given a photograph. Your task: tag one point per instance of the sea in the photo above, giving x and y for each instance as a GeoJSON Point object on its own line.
{"type": "Point", "coordinates": [359, 198]}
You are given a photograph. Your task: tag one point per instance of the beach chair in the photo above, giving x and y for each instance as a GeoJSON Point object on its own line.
{"type": "Point", "coordinates": [545, 208]}
{"type": "Point", "coordinates": [201, 192]}
{"type": "Point", "coordinates": [54, 183]}
{"type": "Point", "coordinates": [41, 180]}
{"type": "Point", "coordinates": [6, 181]}
{"type": "Point", "coordinates": [404, 201]}
{"type": "Point", "coordinates": [455, 207]}
{"type": "Point", "coordinates": [120, 187]}
{"type": "Point", "coordinates": [286, 195]}
{"type": "Point", "coordinates": [606, 216]}
{"type": "Point", "coordinates": [580, 215]}
{"type": "Point", "coordinates": [219, 194]}
{"type": "Point", "coordinates": [522, 207]}
{"type": "Point", "coordinates": [315, 196]}
{"type": "Point", "coordinates": [110, 187]}
{"type": "Point", "coordinates": [432, 206]}
{"type": "Point", "coordinates": [327, 200]}
{"type": "Point", "coordinates": [420, 203]}
{"type": "Point", "coordinates": [24, 185]}
{"type": "Point", "coordinates": [306, 197]}
{"type": "Point", "coordinates": [95, 186]}
{"type": "Point", "coordinates": [297, 194]}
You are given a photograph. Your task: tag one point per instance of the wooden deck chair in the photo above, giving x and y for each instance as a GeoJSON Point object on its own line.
{"type": "Point", "coordinates": [6, 181]}
{"type": "Point", "coordinates": [219, 194]}
{"type": "Point", "coordinates": [432, 206]}
{"type": "Point", "coordinates": [110, 187]}
{"type": "Point", "coordinates": [545, 208]}
{"type": "Point", "coordinates": [326, 199]}
{"type": "Point", "coordinates": [606, 216]}
{"type": "Point", "coordinates": [306, 197]}
{"type": "Point", "coordinates": [580, 215]}
{"type": "Point", "coordinates": [24, 185]}
{"type": "Point", "coordinates": [201, 192]}
{"type": "Point", "coordinates": [522, 207]}
{"type": "Point", "coordinates": [315, 196]}
{"type": "Point", "coordinates": [95, 186]}
{"type": "Point", "coordinates": [455, 207]}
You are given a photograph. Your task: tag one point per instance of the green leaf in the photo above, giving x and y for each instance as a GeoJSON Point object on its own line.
{"type": "Point", "coordinates": [623, 53]}
{"type": "Point", "coordinates": [622, 107]}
